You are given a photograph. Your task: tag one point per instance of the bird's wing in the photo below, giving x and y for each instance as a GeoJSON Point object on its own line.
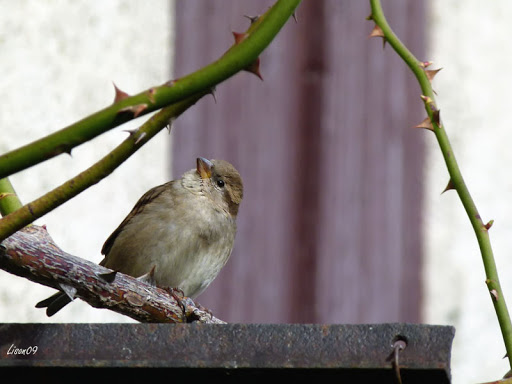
{"type": "Point", "coordinates": [139, 206]}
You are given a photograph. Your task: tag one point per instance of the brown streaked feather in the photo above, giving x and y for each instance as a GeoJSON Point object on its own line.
{"type": "Point", "coordinates": [139, 206]}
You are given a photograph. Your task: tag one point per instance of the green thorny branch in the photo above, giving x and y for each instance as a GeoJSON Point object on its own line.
{"type": "Point", "coordinates": [174, 97]}
{"type": "Point", "coordinates": [433, 123]}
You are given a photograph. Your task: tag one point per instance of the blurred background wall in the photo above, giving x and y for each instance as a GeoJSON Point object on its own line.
{"type": "Point", "coordinates": [343, 220]}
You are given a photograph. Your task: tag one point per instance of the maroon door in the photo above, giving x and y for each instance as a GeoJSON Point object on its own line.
{"type": "Point", "coordinates": [330, 225]}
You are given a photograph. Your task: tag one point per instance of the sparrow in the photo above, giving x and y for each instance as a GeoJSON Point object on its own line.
{"type": "Point", "coordinates": [180, 233]}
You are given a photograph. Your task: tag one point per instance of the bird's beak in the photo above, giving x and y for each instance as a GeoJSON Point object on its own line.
{"type": "Point", "coordinates": [204, 168]}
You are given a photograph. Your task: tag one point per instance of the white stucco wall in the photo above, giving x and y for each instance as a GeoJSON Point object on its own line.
{"type": "Point", "coordinates": [470, 40]}
{"type": "Point", "coordinates": [58, 61]}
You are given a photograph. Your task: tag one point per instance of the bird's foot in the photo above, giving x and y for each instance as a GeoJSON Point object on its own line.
{"type": "Point", "coordinates": [182, 301]}
{"type": "Point", "coordinates": [188, 306]}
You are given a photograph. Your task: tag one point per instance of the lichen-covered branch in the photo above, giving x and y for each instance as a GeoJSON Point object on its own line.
{"type": "Point", "coordinates": [31, 253]}
{"type": "Point", "coordinates": [456, 182]}
{"type": "Point", "coordinates": [242, 55]}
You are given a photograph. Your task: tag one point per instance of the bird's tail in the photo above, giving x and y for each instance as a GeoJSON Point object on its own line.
{"type": "Point", "coordinates": [54, 303]}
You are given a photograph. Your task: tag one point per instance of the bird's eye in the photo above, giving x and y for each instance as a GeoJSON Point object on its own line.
{"type": "Point", "coordinates": [220, 183]}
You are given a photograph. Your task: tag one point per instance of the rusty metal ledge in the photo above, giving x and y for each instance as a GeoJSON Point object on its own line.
{"type": "Point", "coordinates": [354, 352]}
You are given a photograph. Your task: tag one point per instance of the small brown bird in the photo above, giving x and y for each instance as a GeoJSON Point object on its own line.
{"type": "Point", "coordinates": [184, 229]}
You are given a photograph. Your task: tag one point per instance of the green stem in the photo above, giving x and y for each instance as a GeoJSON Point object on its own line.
{"type": "Point", "coordinates": [9, 201]}
{"type": "Point", "coordinates": [51, 200]}
{"type": "Point", "coordinates": [238, 57]}
{"type": "Point", "coordinates": [456, 179]}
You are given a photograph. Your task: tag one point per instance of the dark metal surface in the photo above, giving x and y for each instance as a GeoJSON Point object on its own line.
{"type": "Point", "coordinates": [358, 351]}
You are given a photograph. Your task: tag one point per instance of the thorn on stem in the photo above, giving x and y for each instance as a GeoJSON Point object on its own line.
{"type": "Point", "coordinates": [141, 136]}
{"type": "Point", "coordinates": [120, 95]}
{"type": "Point", "coordinates": [376, 32]}
{"type": "Point", "coordinates": [254, 68]}
{"type": "Point", "coordinates": [489, 224]}
{"type": "Point", "coordinates": [431, 73]}
{"type": "Point", "coordinates": [449, 186]}
{"type": "Point", "coordinates": [136, 109]}
{"type": "Point", "coordinates": [212, 92]}
{"type": "Point", "coordinates": [130, 131]}
{"type": "Point", "coordinates": [169, 124]}
{"type": "Point", "coordinates": [252, 18]}
{"type": "Point", "coordinates": [425, 124]}
{"type": "Point", "coordinates": [426, 99]}
{"type": "Point", "coordinates": [133, 132]}
{"type": "Point", "coordinates": [239, 37]}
